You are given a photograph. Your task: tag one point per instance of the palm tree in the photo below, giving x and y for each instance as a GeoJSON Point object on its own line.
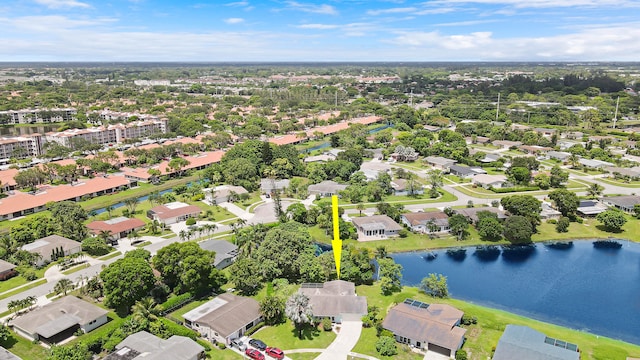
{"type": "Point", "coordinates": [63, 286]}
{"type": "Point", "coordinates": [183, 235]}
{"type": "Point", "coordinates": [435, 181]}
{"type": "Point", "coordinates": [360, 207]}
{"type": "Point", "coordinates": [134, 236]}
{"type": "Point", "coordinates": [109, 209]}
{"type": "Point", "coordinates": [146, 309]}
{"type": "Point", "coordinates": [131, 204]}
{"type": "Point", "coordinates": [105, 235]}
{"type": "Point", "coordinates": [299, 311]}
{"type": "Point", "coordinates": [595, 190]}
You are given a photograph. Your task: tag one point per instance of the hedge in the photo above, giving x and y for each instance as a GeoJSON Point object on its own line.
{"type": "Point", "coordinates": [514, 189]}
{"type": "Point", "coordinates": [174, 301]}
{"type": "Point", "coordinates": [254, 329]}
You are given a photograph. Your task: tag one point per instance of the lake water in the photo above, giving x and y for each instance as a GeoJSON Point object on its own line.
{"type": "Point", "coordinates": [581, 287]}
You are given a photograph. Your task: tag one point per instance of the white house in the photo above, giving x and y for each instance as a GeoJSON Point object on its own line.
{"type": "Point", "coordinates": [50, 247]}
{"type": "Point", "coordinates": [427, 222]}
{"type": "Point", "coordinates": [174, 212]}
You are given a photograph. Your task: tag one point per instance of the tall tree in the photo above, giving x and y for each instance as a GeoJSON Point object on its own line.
{"type": "Point", "coordinates": [63, 286]}
{"type": "Point", "coordinates": [69, 217]}
{"type": "Point", "coordinates": [126, 281]}
{"type": "Point", "coordinates": [566, 201]}
{"type": "Point", "coordinates": [435, 182]}
{"type": "Point", "coordinates": [299, 311]}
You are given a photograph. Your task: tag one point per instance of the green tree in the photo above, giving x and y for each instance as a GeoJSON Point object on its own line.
{"type": "Point", "coordinates": [69, 218]}
{"type": "Point", "coordinates": [523, 205]}
{"type": "Point", "coordinates": [386, 346]}
{"type": "Point", "coordinates": [126, 281]}
{"type": "Point", "coordinates": [562, 225]}
{"type": "Point", "coordinates": [245, 276]}
{"type": "Point", "coordinates": [272, 309]}
{"type": "Point", "coordinates": [435, 285]}
{"type": "Point", "coordinates": [63, 286]}
{"type": "Point", "coordinates": [390, 275]}
{"type": "Point", "coordinates": [145, 309]}
{"type": "Point", "coordinates": [489, 227]}
{"type": "Point", "coordinates": [518, 229]}
{"type": "Point", "coordinates": [459, 226]}
{"type": "Point", "coordinates": [558, 177]}
{"type": "Point", "coordinates": [566, 201]}
{"type": "Point", "coordinates": [281, 245]}
{"type": "Point", "coordinates": [131, 204]}
{"type": "Point", "coordinates": [298, 310]}
{"type": "Point", "coordinates": [5, 334]}
{"type": "Point", "coordinates": [435, 178]}
{"type": "Point", "coordinates": [520, 175]}
{"type": "Point", "coordinates": [612, 219]}
{"type": "Point", "coordinates": [77, 351]}
{"type": "Point", "coordinates": [595, 190]}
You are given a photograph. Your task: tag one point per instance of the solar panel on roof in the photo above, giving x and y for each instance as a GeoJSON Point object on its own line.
{"type": "Point", "coordinates": [416, 303]}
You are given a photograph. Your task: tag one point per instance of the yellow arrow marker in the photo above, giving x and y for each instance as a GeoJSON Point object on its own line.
{"type": "Point", "coordinates": [336, 244]}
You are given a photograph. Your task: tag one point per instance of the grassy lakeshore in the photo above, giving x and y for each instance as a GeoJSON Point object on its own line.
{"type": "Point", "coordinates": [483, 337]}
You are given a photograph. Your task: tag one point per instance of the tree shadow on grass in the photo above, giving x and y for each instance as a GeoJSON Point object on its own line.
{"type": "Point", "coordinates": [9, 342]}
{"type": "Point", "coordinates": [609, 230]}
{"type": "Point", "coordinates": [309, 332]}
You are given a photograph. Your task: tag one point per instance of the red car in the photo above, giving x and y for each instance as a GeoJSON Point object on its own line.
{"type": "Point", "coordinates": [275, 353]}
{"type": "Point", "coordinates": [254, 354]}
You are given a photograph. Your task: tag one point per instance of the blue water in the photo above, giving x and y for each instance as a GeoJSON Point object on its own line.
{"type": "Point", "coordinates": [581, 287]}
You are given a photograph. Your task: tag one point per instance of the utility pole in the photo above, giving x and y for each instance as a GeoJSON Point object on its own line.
{"type": "Point", "coordinates": [615, 117]}
{"type": "Point", "coordinates": [498, 107]}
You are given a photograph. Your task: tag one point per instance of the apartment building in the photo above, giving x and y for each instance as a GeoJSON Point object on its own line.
{"type": "Point", "coordinates": [31, 116]}
{"type": "Point", "coordinates": [111, 134]}
{"type": "Point", "coordinates": [21, 146]}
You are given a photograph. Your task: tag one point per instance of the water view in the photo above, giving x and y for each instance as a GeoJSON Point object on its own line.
{"type": "Point", "coordinates": [579, 285]}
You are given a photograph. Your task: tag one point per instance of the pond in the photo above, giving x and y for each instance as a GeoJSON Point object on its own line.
{"type": "Point", "coordinates": [579, 285]}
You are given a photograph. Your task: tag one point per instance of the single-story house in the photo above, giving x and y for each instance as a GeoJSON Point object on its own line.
{"type": "Point", "coordinates": [421, 221]}
{"type": "Point", "coordinates": [524, 343]}
{"type": "Point", "coordinates": [506, 144]}
{"type": "Point", "coordinates": [224, 318]}
{"type": "Point", "coordinates": [575, 135]}
{"type": "Point", "coordinates": [558, 155]}
{"type": "Point", "coordinates": [118, 227]}
{"type": "Point", "coordinates": [432, 128]}
{"type": "Point", "coordinates": [269, 186]}
{"type": "Point", "coordinates": [548, 212]}
{"type": "Point", "coordinates": [224, 193]}
{"type": "Point", "coordinates": [59, 320]}
{"type": "Point", "coordinates": [594, 163]}
{"type": "Point", "coordinates": [226, 252]}
{"type": "Point", "coordinates": [464, 171]}
{"type": "Point", "coordinates": [625, 203]}
{"type": "Point", "coordinates": [472, 213]}
{"type": "Point", "coordinates": [590, 208]}
{"type": "Point", "coordinates": [7, 270]}
{"type": "Point", "coordinates": [486, 181]}
{"type": "Point", "coordinates": [143, 345]}
{"type": "Point", "coordinates": [401, 187]}
{"type": "Point", "coordinates": [432, 327]}
{"type": "Point", "coordinates": [52, 246]}
{"type": "Point", "coordinates": [534, 149]}
{"type": "Point", "coordinates": [326, 188]}
{"type": "Point", "coordinates": [489, 158]}
{"type": "Point", "coordinates": [439, 162]}
{"type": "Point", "coordinates": [546, 132]}
{"type": "Point", "coordinates": [633, 172]}
{"type": "Point", "coordinates": [318, 158]}
{"type": "Point", "coordinates": [173, 212]}
{"type": "Point", "coordinates": [405, 157]}
{"type": "Point", "coordinates": [336, 300]}
{"type": "Point", "coordinates": [375, 227]}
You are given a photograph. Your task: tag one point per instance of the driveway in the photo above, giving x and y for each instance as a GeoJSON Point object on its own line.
{"type": "Point", "coordinates": [345, 341]}
{"type": "Point", "coordinates": [432, 355]}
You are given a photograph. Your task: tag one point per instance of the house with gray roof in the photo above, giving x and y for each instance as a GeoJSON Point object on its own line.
{"type": "Point", "coordinates": [226, 252]}
{"type": "Point", "coordinates": [590, 208]}
{"type": "Point", "coordinates": [59, 320]}
{"type": "Point", "coordinates": [145, 346]}
{"type": "Point", "coordinates": [269, 186]}
{"type": "Point", "coordinates": [472, 213]}
{"type": "Point", "coordinates": [335, 299]}
{"type": "Point", "coordinates": [7, 270]}
{"type": "Point", "coordinates": [431, 327]}
{"type": "Point", "coordinates": [326, 188]}
{"type": "Point", "coordinates": [224, 318]}
{"type": "Point", "coordinates": [426, 222]}
{"type": "Point", "coordinates": [524, 343]}
{"type": "Point", "coordinates": [224, 193]}
{"type": "Point", "coordinates": [52, 246]}
{"type": "Point", "coordinates": [625, 203]}
{"type": "Point", "coordinates": [403, 187]}
{"type": "Point", "coordinates": [594, 163]}
{"type": "Point", "coordinates": [439, 162]}
{"type": "Point", "coordinates": [375, 227]}
{"type": "Point", "coordinates": [558, 155]}
{"type": "Point", "coordinates": [465, 171]}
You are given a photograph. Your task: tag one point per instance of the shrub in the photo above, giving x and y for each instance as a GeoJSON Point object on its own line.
{"type": "Point", "coordinates": [222, 346]}
{"type": "Point", "coordinates": [403, 233]}
{"type": "Point", "coordinates": [254, 328]}
{"type": "Point", "coordinates": [514, 189]}
{"type": "Point", "coordinates": [326, 324]}
{"type": "Point", "coordinates": [552, 221]}
{"type": "Point", "coordinates": [174, 301]}
{"type": "Point", "coordinates": [562, 225]}
{"type": "Point", "coordinates": [191, 221]}
{"type": "Point", "coordinates": [468, 320]}
{"type": "Point", "coordinates": [385, 332]}
{"type": "Point", "coordinates": [29, 274]}
{"type": "Point", "coordinates": [461, 355]}
{"type": "Point", "coordinates": [386, 346]}
{"type": "Point", "coordinates": [95, 246]}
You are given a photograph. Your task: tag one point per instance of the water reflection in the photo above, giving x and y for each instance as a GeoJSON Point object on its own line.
{"type": "Point", "coordinates": [518, 253]}
{"type": "Point", "coordinates": [487, 253]}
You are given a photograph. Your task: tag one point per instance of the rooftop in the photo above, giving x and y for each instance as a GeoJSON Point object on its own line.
{"type": "Point", "coordinates": [524, 343]}
{"type": "Point", "coordinates": [145, 346]}
{"type": "Point", "coordinates": [226, 313]}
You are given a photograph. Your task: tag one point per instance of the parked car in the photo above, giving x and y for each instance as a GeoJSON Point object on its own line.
{"type": "Point", "coordinates": [275, 353]}
{"type": "Point", "coordinates": [258, 344]}
{"type": "Point", "coordinates": [254, 354]}
{"type": "Point", "coordinates": [238, 344]}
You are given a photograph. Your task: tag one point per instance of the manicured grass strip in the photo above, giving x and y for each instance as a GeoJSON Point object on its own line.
{"type": "Point", "coordinates": [23, 348]}
{"type": "Point", "coordinates": [12, 283]}
{"type": "Point", "coordinates": [303, 356]}
{"type": "Point", "coordinates": [284, 336]}
{"type": "Point", "coordinates": [76, 268]}
{"type": "Point", "coordinates": [142, 244]}
{"type": "Point", "coordinates": [110, 256]}
{"type": "Point", "coordinates": [24, 288]}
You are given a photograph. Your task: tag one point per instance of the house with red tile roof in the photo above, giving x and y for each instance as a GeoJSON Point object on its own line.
{"type": "Point", "coordinates": [118, 227]}
{"type": "Point", "coordinates": [174, 212]}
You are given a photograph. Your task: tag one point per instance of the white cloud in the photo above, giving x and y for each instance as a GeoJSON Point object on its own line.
{"type": "Point", "coordinates": [238, 3]}
{"type": "Point", "coordinates": [56, 4]}
{"type": "Point", "coordinates": [543, 3]}
{"type": "Point", "coordinates": [392, 11]}
{"type": "Point", "coordinates": [49, 24]}
{"type": "Point", "coordinates": [318, 26]}
{"type": "Point", "coordinates": [312, 8]}
{"type": "Point", "coordinates": [234, 20]}
{"type": "Point", "coordinates": [466, 23]}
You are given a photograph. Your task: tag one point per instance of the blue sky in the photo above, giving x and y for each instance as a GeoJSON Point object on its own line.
{"type": "Point", "coordinates": [330, 30]}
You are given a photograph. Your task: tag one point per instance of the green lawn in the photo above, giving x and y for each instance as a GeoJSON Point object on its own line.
{"type": "Point", "coordinates": [482, 337]}
{"type": "Point", "coordinates": [255, 197]}
{"type": "Point", "coordinates": [24, 288]}
{"type": "Point", "coordinates": [23, 347]}
{"type": "Point", "coordinates": [110, 256]}
{"type": "Point", "coordinates": [393, 199]}
{"type": "Point", "coordinates": [14, 282]}
{"type": "Point", "coordinates": [226, 354]}
{"type": "Point", "coordinates": [303, 356]}
{"type": "Point", "coordinates": [590, 229]}
{"type": "Point", "coordinates": [631, 184]}
{"type": "Point", "coordinates": [285, 337]}
{"type": "Point", "coordinates": [76, 268]}
{"type": "Point", "coordinates": [367, 346]}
